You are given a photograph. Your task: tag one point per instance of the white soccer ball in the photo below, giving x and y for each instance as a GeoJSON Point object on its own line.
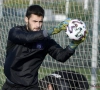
{"type": "Point", "coordinates": [76, 29]}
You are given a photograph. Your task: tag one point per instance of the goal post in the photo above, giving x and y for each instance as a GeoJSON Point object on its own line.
{"type": "Point", "coordinates": [95, 45]}
{"type": "Point", "coordinates": [30, 2]}
{"type": "Point", "coordinates": [86, 59]}
{"type": "Point", "coordinates": [86, 4]}
{"type": "Point", "coordinates": [1, 5]}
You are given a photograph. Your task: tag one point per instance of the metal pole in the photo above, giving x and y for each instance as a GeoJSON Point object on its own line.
{"type": "Point", "coordinates": [94, 45]}
{"type": "Point", "coordinates": [1, 4]}
{"type": "Point", "coordinates": [67, 8]}
{"type": "Point", "coordinates": [85, 4]}
{"type": "Point", "coordinates": [30, 2]}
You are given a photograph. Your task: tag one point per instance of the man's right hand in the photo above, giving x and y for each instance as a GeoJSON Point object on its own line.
{"type": "Point", "coordinates": [75, 43]}
{"type": "Point", "coordinates": [60, 27]}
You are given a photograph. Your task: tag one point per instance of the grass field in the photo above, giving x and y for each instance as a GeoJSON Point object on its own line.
{"type": "Point", "coordinates": [45, 71]}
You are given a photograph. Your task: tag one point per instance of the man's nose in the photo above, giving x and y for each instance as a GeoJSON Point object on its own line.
{"type": "Point", "coordinates": [38, 24]}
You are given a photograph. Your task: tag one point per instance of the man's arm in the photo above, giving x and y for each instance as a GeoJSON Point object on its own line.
{"type": "Point", "coordinates": [58, 53]}
{"type": "Point", "coordinates": [19, 36]}
{"type": "Point", "coordinates": [60, 27]}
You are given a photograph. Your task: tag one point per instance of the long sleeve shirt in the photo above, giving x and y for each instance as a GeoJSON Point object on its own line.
{"type": "Point", "coordinates": [26, 51]}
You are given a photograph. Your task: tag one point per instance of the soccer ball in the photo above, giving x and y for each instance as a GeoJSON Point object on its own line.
{"type": "Point", "coordinates": [76, 29]}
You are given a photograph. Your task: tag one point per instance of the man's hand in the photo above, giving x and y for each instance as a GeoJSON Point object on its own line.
{"type": "Point", "coordinates": [75, 43]}
{"type": "Point", "coordinates": [61, 26]}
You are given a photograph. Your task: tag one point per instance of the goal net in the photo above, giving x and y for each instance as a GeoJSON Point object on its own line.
{"type": "Point", "coordinates": [86, 59]}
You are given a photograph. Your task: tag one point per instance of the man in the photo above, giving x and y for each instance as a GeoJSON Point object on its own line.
{"type": "Point", "coordinates": [64, 80]}
{"type": "Point", "coordinates": [27, 47]}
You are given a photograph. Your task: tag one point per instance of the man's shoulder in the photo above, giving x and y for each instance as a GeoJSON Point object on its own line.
{"type": "Point", "coordinates": [18, 27]}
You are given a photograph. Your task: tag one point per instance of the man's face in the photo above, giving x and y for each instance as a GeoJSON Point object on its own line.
{"type": "Point", "coordinates": [34, 23]}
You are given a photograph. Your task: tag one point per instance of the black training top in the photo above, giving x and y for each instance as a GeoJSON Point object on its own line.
{"type": "Point", "coordinates": [26, 51]}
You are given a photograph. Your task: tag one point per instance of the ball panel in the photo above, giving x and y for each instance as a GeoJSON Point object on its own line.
{"type": "Point", "coordinates": [76, 29]}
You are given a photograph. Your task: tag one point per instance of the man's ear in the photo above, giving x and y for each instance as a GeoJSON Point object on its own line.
{"type": "Point", "coordinates": [26, 19]}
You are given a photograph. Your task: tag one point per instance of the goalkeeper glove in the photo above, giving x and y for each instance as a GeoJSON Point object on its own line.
{"type": "Point", "coordinates": [61, 26]}
{"type": "Point", "coordinates": [75, 43]}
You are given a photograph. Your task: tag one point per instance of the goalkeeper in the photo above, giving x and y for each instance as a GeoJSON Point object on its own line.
{"type": "Point", "coordinates": [27, 47]}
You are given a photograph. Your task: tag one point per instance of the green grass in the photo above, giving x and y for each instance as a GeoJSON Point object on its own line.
{"type": "Point", "coordinates": [16, 3]}
{"type": "Point", "coordinates": [2, 77]}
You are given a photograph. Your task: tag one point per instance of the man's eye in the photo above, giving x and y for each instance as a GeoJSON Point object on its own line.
{"type": "Point", "coordinates": [41, 21]}
{"type": "Point", "coordinates": [34, 21]}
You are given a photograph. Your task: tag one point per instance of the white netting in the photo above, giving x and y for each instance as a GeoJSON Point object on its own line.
{"type": "Point", "coordinates": [12, 13]}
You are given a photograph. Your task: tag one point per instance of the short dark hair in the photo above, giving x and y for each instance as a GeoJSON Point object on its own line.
{"type": "Point", "coordinates": [35, 9]}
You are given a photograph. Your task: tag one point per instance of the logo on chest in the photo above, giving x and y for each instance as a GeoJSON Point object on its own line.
{"type": "Point", "coordinates": [39, 46]}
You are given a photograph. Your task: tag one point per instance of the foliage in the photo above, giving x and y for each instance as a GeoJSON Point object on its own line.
{"type": "Point", "coordinates": [16, 3]}
{"type": "Point", "coordinates": [57, 7]}
{"type": "Point", "coordinates": [76, 9]}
